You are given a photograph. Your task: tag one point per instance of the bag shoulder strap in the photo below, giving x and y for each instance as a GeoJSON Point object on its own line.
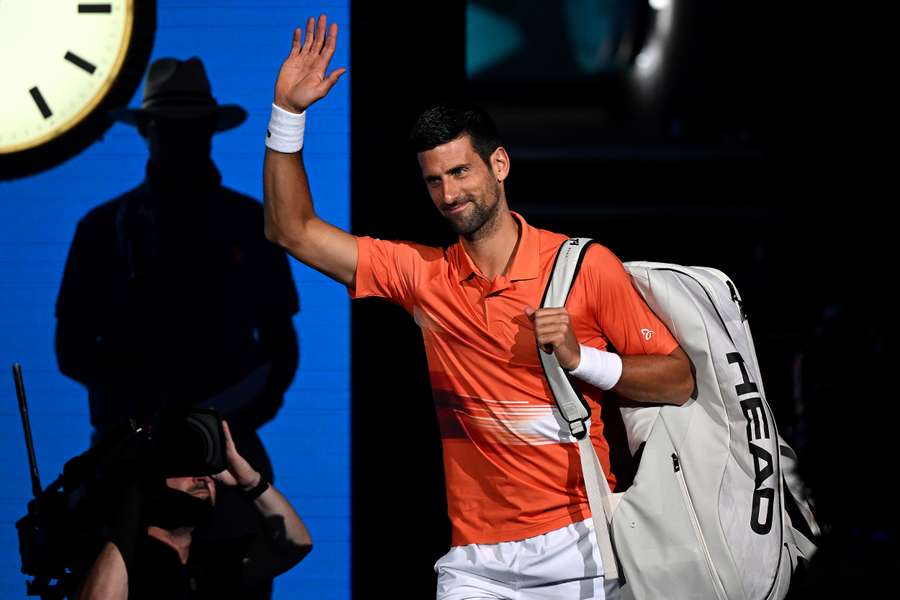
{"type": "Point", "coordinates": [568, 398]}
{"type": "Point", "coordinates": [574, 407]}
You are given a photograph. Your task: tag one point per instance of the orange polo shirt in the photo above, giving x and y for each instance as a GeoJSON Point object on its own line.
{"type": "Point", "coordinates": [512, 467]}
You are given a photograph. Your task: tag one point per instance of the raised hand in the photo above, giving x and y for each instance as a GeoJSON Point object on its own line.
{"type": "Point", "coordinates": [238, 470]}
{"type": "Point", "coordinates": [302, 80]}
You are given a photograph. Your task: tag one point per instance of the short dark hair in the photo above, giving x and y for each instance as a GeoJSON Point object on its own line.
{"type": "Point", "coordinates": [444, 123]}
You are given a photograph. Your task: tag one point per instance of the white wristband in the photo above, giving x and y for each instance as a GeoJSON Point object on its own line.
{"type": "Point", "coordinates": [598, 368]}
{"type": "Point", "coordinates": [285, 131]}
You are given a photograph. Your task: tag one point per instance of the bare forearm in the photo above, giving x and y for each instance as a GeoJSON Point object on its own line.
{"type": "Point", "coordinates": [272, 503]}
{"type": "Point", "coordinates": [292, 223]}
{"type": "Point", "coordinates": [656, 379]}
{"type": "Point", "coordinates": [287, 199]}
{"type": "Point", "coordinates": [108, 578]}
{"type": "Point", "coordinates": [287, 541]}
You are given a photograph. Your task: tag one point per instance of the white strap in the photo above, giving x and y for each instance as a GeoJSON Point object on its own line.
{"type": "Point", "coordinates": [565, 268]}
{"type": "Point", "coordinates": [575, 410]}
{"type": "Point", "coordinates": [795, 485]}
{"type": "Point", "coordinates": [805, 547]}
{"type": "Point", "coordinates": [599, 498]}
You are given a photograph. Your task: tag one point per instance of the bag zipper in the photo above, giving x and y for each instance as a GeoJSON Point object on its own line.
{"type": "Point", "coordinates": [695, 523]}
{"type": "Point", "coordinates": [769, 411]}
{"type": "Point", "coordinates": [780, 489]}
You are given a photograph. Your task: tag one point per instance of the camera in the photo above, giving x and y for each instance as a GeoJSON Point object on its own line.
{"type": "Point", "coordinates": [66, 523]}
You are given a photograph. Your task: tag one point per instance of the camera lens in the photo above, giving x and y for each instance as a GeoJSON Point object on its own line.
{"type": "Point", "coordinates": [201, 439]}
{"type": "Point", "coordinates": [190, 444]}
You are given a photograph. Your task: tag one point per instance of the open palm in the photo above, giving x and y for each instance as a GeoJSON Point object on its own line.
{"type": "Point", "coordinates": [302, 79]}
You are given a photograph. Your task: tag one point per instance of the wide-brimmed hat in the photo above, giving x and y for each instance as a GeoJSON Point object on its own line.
{"type": "Point", "coordinates": [177, 89]}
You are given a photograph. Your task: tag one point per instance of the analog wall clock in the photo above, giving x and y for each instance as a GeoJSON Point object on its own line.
{"type": "Point", "coordinates": [64, 65]}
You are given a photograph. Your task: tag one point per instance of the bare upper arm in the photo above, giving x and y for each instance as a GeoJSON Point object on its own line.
{"type": "Point", "coordinates": [108, 577]}
{"type": "Point", "coordinates": [326, 248]}
{"type": "Point", "coordinates": [291, 221]}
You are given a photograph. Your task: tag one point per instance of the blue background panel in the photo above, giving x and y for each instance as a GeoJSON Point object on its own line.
{"type": "Point", "coordinates": [242, 45]}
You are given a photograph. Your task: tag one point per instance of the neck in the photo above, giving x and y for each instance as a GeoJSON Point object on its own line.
{"type": "Point", "coordinates": [493, 251]}
{"type": "Point", "coordinates": [177, 539]}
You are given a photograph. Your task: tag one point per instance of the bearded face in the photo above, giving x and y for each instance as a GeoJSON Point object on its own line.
{"type": "Point", "coordinates": [473, 214]}
{"type": "Point", "coordinates": [203, 488]}
{"type": "Point", "coordinates": [463, 187]}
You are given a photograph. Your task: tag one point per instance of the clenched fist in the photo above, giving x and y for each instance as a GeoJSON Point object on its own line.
{"type": "Point", "coordinates": [553, 332]}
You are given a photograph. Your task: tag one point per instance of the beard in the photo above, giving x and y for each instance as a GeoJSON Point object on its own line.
{"type": "Point", "coordinates": [478, 216]}
{"type": "Point", "coordinates": [173, 509]}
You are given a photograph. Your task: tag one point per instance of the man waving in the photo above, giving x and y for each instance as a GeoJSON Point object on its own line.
{"type": "Point", "coordinates": [520, 514]}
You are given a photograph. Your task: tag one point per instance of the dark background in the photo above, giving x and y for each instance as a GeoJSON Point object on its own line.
{"type": "Point", "coordinates": [759, 155]}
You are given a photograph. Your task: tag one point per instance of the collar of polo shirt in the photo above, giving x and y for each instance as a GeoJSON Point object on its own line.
{"type": "Point", "coordinates": [525, 264]}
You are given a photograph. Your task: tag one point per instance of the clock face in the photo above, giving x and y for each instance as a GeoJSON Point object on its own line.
{"type": "Point", "coordinates": [60, 59]}
{"type": "Point", "coordinates": [63, 65]}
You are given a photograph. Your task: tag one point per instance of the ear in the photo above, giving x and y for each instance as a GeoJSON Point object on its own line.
{"type": "Point", "coordinates": [500, 163]}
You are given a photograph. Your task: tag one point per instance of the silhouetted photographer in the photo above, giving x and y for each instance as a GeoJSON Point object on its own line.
{"type": "Point", "coordinates": [151, 549]}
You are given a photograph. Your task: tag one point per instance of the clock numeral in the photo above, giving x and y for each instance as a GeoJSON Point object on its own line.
{"type": "Point", "coordinates": [80, 62]}
{"type": "Point", "coordinates": [41, 103]}
{"type": "Point", "coordinates": [95, 8]}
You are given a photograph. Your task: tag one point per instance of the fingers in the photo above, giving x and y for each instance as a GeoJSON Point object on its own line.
{"type": "Point", "coordinates": [319, 42]}
{"type": "Point", "coordinates": [550, 320]}
{"type": "Point", "coordinates": [551, 336]}
{"type": "Point", "coordinates": [316, 42]}
{"type": "Point", "coordinates": [332, 79]}
{"type": "Point", "coordinates": [544, 312]}
{"type": "Point", "coordinates": [547, 316]}
{"type": "Point", "coordinates": [225, 477]}
{"type": "Point", "coordinates": [297, 42]}
{"type": "Point", "coordinates": [229, 442]}
{"type": "Point", "coordinates": [302, 79]}
{"type": "Point", "coordinates": [308, 38]}
{"type": "Point", "coordinates": [548, 311]}
{"type": "Point", "coordinates": [552, 327]}
{"type": "Point", "coordinates": [330, 43]}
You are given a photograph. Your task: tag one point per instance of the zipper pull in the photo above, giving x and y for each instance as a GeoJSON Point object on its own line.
{"type": "Point", "coordinates": [675, 464]}
{"type": "Point", "coordinates": [736, 300]}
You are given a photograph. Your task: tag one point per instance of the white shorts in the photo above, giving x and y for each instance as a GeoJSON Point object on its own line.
{"type": "Point", "coordinates": [564, 563]}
